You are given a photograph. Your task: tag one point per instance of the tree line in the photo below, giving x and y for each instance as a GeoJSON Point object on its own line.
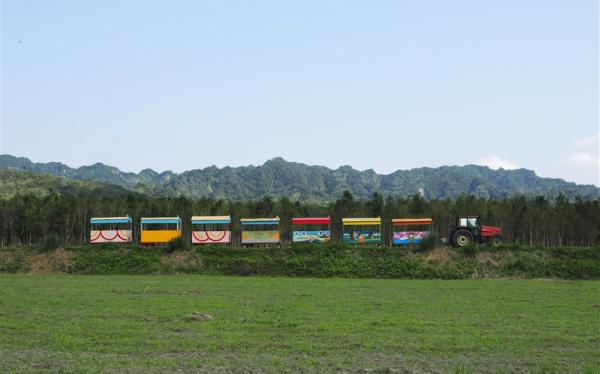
{"type": "Point", "coordinates": [31, 219]}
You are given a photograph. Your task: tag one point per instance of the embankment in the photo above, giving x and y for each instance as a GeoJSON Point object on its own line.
{"type": "Point", "coordinates": [333, 260]}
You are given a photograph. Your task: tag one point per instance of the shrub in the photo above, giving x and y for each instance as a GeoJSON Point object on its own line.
{"type": "Point", "coordinates": [470, 250]}
{"type": "Point", "coordinates": [51, 243]}
{"type": "Point", "coordinates": [320, 261]}
{"type": "Point", "coordinates": [122, 261]}
{"type": "Point", "coordinates": [429, 243]}
{"type": "Point", "coordinates": [177, 244]}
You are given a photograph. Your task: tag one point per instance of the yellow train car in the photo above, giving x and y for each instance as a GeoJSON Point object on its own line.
{"type": "Point", "coordinates": [159, 230]}
{"type": "Point", "coordinates": [361, 230]}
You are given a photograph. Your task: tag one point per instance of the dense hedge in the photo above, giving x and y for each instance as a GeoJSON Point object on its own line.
{"type": "Point", "coordinates": [333, 260]}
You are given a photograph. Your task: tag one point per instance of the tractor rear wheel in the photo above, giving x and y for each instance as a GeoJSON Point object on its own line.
{"type": "Point", "coordinates": [462, 238]}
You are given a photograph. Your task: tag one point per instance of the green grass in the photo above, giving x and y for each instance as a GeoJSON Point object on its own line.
{"type": "Point", "coordinates": [146, 324]}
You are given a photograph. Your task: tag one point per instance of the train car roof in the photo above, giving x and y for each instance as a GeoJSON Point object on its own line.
{"type": "Point", "coordinates": [125, 219]}
{"type": "Point", "coordinates": [311, 221]}
{"type": "Point", "coordinates": [411, 221]}
{"type": "Point", "coordinates": [361, 221]}
{"type": "Point", "coordinates": [161, 219]}
{"type": "Point", "coordinates": [211, 219]}
{"type": "Point", "coordinates": [260, 221]}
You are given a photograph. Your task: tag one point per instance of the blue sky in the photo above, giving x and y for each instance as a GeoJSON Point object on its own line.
{"type": "Point", "coordinates": [374, 84]}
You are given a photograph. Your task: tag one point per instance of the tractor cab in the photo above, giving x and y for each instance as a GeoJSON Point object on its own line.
{"type": "Point", "coordinates": [470, 222]}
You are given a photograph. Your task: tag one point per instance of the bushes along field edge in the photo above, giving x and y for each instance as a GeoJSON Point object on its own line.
{"type": "Point", "coordinates": [330, 260]}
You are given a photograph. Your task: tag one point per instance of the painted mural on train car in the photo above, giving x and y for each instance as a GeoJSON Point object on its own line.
{"type": "Point", "coordinates": [361, 236]}
{"type": "Point", "coordinates": [110, 236]}
{"type": "Point", "coordinates": [260, 237]}
{"type": "Point", "coordinates": [211, 237]}
{"type": "Point", "coordinates": [409, 237]}
{"type": "Point", "coordinates": [311, 236]}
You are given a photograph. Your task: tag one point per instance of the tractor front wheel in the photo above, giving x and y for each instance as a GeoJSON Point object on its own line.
{"type": "Point", "coordinates": [462, 238]}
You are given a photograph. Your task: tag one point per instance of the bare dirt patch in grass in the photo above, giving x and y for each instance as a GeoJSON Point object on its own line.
{"type": "Point", "coordinates": [441, 255]}
{"type": "Point", "coordinates": [58, 261]}
{"type": "Point", "coordinates": [8, 258]}
{"type": "Point", "coordinates": [182, 260]}
{"type": "Point", "coordinates": [487, 258]}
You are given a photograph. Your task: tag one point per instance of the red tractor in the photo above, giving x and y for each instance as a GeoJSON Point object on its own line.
{"type": "Point", "coordinates": [468, 230]}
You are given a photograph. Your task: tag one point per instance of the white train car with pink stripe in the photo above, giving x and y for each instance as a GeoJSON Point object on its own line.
{"type": "Point", "coordinates": [110, 230]}
{"type": "Point", "coordinates": [211, 230]}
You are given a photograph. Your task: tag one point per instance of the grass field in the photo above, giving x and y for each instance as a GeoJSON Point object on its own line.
{"type": "Point", "coordinates": [243, 324]}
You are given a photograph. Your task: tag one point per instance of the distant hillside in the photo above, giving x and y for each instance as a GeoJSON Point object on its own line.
{"type": "Point", "coordinates": [278, 178]}
{"type": "Point", "coordinates": [97, 172]}
{"type": "Point", "coordinates": [14, 182]}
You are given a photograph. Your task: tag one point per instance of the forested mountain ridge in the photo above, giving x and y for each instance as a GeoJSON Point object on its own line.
{"type": "Point", "coordinates": [98, 172]}
{"type": "Point", "coordinates": [15, 182]}
{"type": "Point", "coordinates": [296, 181]}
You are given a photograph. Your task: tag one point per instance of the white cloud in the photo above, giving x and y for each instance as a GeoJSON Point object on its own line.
{"type": "Point", "coordinates": [582, 164]}
{"type": "Point", "coordinates": [495, 162]}
{"type": "Point", "coordinates": [587, 142]}
{"type": "Point", "coordinates": [581, 159]}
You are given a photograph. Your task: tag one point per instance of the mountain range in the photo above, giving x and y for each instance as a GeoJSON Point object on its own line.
{"type": "Point", "coordinates": [278, 178]}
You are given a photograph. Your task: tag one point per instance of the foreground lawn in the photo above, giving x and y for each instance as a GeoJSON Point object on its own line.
{"type": "Point", "coordinates": [163, 323]}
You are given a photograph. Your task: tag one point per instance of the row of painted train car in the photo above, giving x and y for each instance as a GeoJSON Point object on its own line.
{"type": "Point", "coordinates": [217, 230]}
